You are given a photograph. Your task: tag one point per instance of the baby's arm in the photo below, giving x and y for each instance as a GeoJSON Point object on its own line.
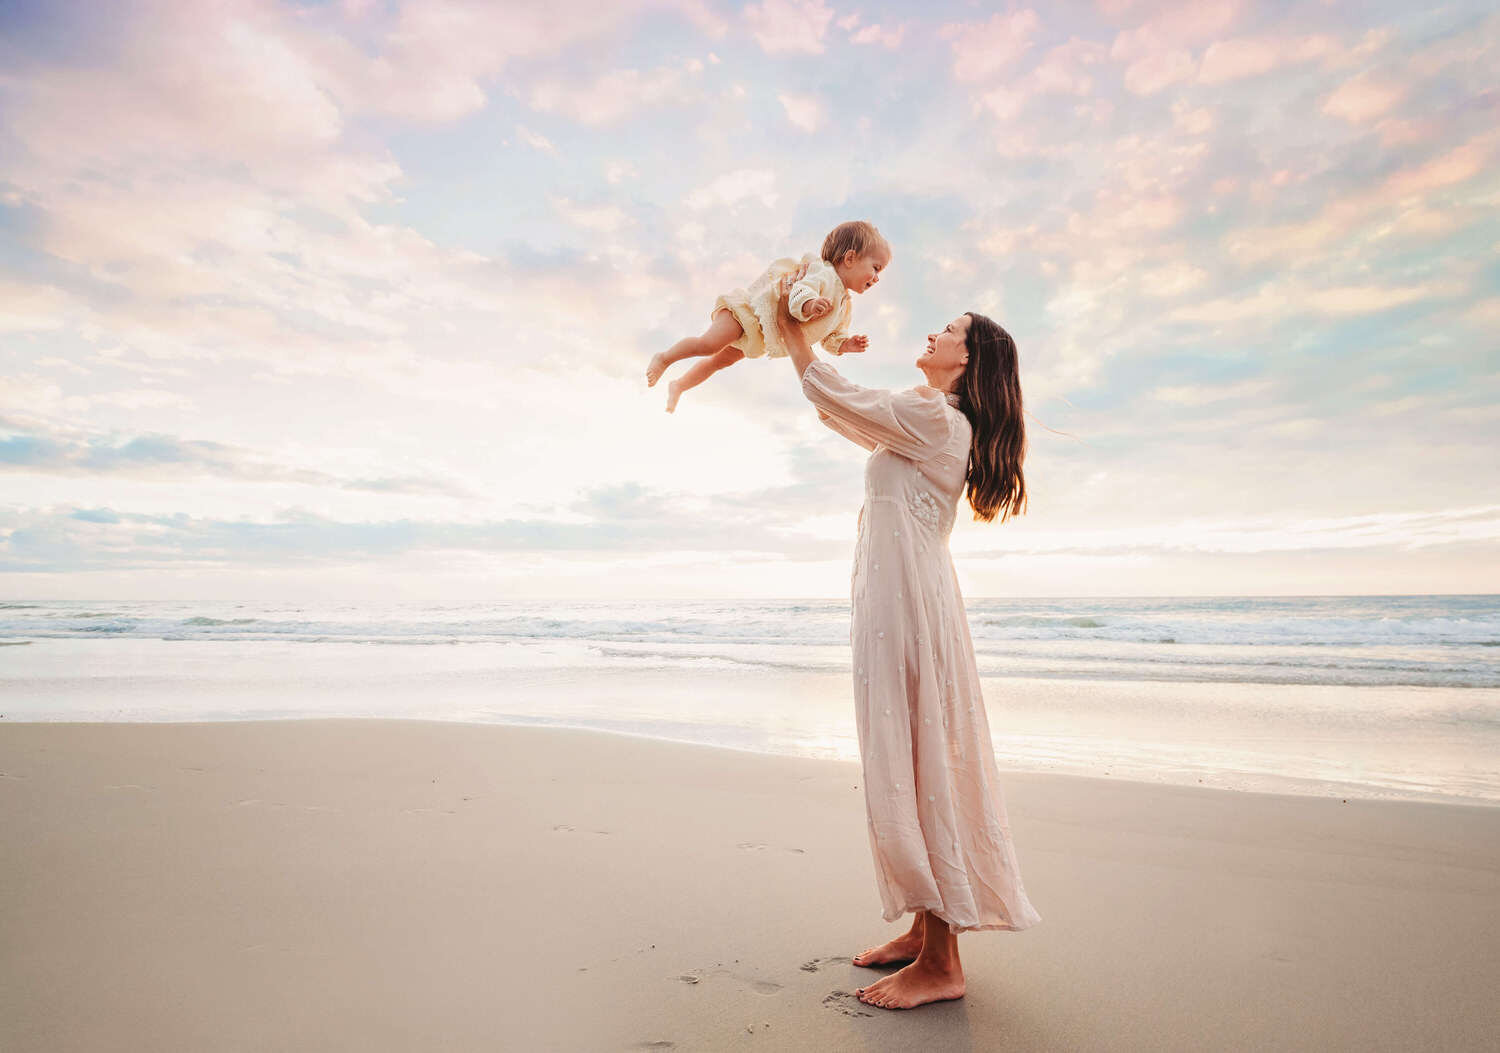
{"type": "Point", "coordinates": [807, 299]}
{"type": "Point", "coordinates": [839, 342]}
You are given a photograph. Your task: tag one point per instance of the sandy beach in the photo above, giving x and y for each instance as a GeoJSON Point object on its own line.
{"type": "Point", "coordinates": [403, 885]}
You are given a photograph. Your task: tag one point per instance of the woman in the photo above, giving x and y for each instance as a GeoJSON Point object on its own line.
{"type": "Point", "coordinates": [937, 821]}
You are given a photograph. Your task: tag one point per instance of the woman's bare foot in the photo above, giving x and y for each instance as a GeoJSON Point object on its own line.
{"type": "Point", "coordinates": [657, 366]}
{"type": "Point", "coordinates": [901, 949]}
{"type": "Point", "coordinates": [915, 985]}
{"type": "Point", "coordinates": [674, 392]}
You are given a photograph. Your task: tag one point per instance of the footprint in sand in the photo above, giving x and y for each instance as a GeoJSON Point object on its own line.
{"type": "Point", "coordinates": [755, 983]}
{"type": "Point", "coordinates": [565, 828]}
{"type": "Point", "coordinates": [758, 846]}
{"type": "Point", "coordinates": [818, 963]}
{"type": "Point", "coordinates": [847, 1003]}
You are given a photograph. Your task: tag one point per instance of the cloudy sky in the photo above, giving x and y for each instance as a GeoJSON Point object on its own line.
{"type": "Point", "coordinates": [354, 299]}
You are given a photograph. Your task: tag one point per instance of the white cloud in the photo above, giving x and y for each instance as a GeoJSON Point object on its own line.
{"type": "Point", "coordinates": [1067, 68]}
{"type": "Point", "coordinates": [1149, 75]}
{"type": "Point", "coordinates": [803, 111]}
{"type": "Point", "coordinates": [267, 242]}
{"type": "Point", "coordinates": [535, 140]}
{"type": "Point", "coordinates": [602, 219]}
{"type": "Point", "coordinates": [1194, 120]}
{"type": "Point", "coordinates": [1289, 299]}
{"type": "Point", "coordinates": [1397, 530]}
{"type": "Point", "coordinates": [888, 37]}
{"type": "Point", "coordinates": [789, 26]}
{"type": "Point", "coordinates": [30, 307]}
{"type": "Point", "coordinates": [436, 61]}
{"type": "Point", "coordinates": [616, 172]}
{"type": "Point", "coordinates": [1363, 97]}
{"type": "Point", "coordinates": [733, 187]}
{"type": "Point", "coordinates": [1206, 394]}
{"type": "Point", "coordinates": [983, 50]}
{"type": "Point", "coordinates": [1233, 59]}
{"type": "Point", "coordinates": [617, 94]}
{"type": "Point", "coordinates": [1175, 26]}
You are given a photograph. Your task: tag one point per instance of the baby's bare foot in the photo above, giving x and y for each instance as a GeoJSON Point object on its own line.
{"type": "Point", "coordinates": [674, 392]}
{"type": "Point", "coordinates": [656, 368]}
{"type": "Point", "coordinates": [901, 949]}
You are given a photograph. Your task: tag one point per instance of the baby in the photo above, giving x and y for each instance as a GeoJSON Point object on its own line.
{"type": "Point", "coordinates": [744, 320]}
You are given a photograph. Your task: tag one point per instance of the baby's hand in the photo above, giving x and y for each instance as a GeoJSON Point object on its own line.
{"type": "Point", "coordinates": [817, 308]}
{"type": "Point", "coordinates": [854, 344]}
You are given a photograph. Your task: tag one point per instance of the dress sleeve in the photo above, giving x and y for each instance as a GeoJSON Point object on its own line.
{"type": "Point", "coordinates": [833, 342]}
{"type": "Point", "coordinates": [808, 288]}
{"type": "Point", "coordinates": [914, 423]}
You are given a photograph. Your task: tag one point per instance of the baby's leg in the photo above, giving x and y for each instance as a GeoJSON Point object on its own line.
{"type": "Point", "coordinates": [722, 331]}
{"type": "Point", "coordinates": [701, 372]}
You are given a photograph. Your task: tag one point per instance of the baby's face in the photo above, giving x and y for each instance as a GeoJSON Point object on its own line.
{"type": "Point", "coordinates": [862, 274]}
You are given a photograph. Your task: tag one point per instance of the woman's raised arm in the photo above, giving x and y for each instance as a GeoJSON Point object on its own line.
{"type": "Point", "coordinates": [792, 336]}
{"type": "Point", "coordinates": [915, 423]}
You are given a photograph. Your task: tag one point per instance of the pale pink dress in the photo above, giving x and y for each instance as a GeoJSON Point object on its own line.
{"type": "Point", "coordinates": [937, 822]}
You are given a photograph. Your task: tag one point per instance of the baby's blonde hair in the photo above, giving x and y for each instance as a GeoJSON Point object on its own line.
{"type": "Point", "coordinates": [856, 234]}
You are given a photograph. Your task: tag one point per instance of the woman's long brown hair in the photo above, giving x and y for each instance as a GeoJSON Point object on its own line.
{"type": "Point", "coordinates": [989, 394]}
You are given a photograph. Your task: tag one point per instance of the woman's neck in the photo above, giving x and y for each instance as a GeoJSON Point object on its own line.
{"type": "Point", "coordinates": [943, 380]}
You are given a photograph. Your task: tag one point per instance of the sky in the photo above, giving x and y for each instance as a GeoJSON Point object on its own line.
{"type": "Point", "coordinates": [353, 301]}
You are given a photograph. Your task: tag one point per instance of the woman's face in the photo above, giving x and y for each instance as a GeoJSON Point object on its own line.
{"type": "Point", "coordinates": [946, 349]}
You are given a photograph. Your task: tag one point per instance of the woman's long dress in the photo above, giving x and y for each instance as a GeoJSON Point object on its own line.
{"type": "Point", "coordinates": [937, 821]}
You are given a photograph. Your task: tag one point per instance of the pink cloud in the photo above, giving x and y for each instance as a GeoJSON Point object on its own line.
{"type": "Point", "coordinates": [1362, 98]}
{"type": "Point", "coordinates": [791, 26]}
{"type": "Point", "coordinates": [984, 49]}
{"type": "Point", "coordinates": [614, 95]}
{"type": "Point", "coordinates": [1456, 166]}
{"type": "Point", "coordinates": [1397, 208]}
{"type": "Point", "coordinates": [1291, 297]}
{"type": "Point", "coordinates": [1233, 59]}
{"type": "Point", "coordinates": [1149, 75]}
{"type": "Point", "coordinates": [803, 111]}
{"type": "Point", "coordinates": [888, 37]}
{"type": "Point", "coordinates": [1179, 26]}
{"type": "Point", "coordinates": [1065, 70]}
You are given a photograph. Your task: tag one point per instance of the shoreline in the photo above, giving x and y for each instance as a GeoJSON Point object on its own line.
{"type": "Point", "coordinates": [1272, 785]}
{"type": "Point", "coordinates": [396, 884]}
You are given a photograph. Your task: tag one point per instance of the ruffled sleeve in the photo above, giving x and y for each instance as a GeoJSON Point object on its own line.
{"type": "Point", "coordinates": [809, 287]}
{"type": "Point", "coordinates": [834, 341]}
{"type": "Point", "coordinates": [915, 423]}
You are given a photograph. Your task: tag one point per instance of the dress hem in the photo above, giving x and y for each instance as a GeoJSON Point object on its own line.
{"type": "Point", "coordinates": [998, 927]}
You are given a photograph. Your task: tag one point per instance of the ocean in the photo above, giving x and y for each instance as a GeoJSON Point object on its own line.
{"type": "Point", "coordinates": [1366, 696]}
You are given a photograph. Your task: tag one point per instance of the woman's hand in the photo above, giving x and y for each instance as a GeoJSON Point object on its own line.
{"type": "Point", "coordinates": [784, 318]}
{"type": "Point", "coordinates": [792, 337]}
